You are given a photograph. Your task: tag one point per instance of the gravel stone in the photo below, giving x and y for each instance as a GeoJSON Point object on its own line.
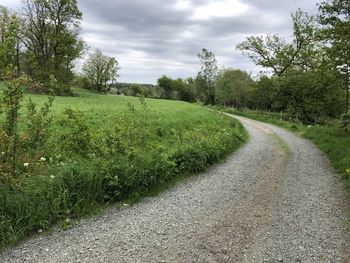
{"type": "Point", "coordinates": [261, 205]}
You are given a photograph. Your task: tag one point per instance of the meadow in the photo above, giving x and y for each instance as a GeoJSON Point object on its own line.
{"type": "Point", "coordinates": [90, 150]}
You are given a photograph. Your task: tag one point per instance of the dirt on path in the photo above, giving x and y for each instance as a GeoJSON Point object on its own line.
{"type": "Point", "coordinates": [265, 203]}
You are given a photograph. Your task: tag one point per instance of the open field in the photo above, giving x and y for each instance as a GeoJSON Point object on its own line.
{"type": "Point", "coordinates": [106, 148]}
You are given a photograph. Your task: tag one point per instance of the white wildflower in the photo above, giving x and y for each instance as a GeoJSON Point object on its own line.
{"type": "Point", "coordinates": [52, 176]}
{"type": "Point", "coordinates": [26, 164]}
{"type": "Point", "coordinates": [43, 159]}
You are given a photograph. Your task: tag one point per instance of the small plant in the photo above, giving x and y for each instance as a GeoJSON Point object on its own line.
{"type": "Point", "coordinates": [10, 102]}
{"type": "Point", "coordinates": [38, 123]}
{"type": "Point", "coordinates": [345, 118]}
{"type": "Point", "coordinates": [74, 136]}
{"type": "Point", "coordinates": [347, 172]}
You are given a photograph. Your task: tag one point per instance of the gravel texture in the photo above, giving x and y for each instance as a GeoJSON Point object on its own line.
{"type": "Point", "coordinates": [263, 204]}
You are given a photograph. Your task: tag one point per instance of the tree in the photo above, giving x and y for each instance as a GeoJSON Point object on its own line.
{"type": "Point", "coordinates": [231, 87]}
{"type": "Point", "coordinates": [273, 52]}
{"type": "Point", "coordinates": [101, 71]}
{"type": "Point", "coordinates": [335, 19]}
{"type": "Point", "coordinates": [262, 93]}
{"type": "Point", "coordinates": [166, 84]}
{"type": "Point", "coordinates": [208, 73]}
{"type": "Point", "coordinates": [9, 30]}
{"type": "Point", "coordinates": [184, 89]}
{"type": "Point", "coordinates": [50, 34]}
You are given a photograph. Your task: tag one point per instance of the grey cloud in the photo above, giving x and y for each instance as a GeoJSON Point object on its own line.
{"type": "Point", "coordinates": [151, 38]}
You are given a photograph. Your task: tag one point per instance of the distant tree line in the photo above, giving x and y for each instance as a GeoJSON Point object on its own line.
{"type": "Point", "coordinates": [307, 78]}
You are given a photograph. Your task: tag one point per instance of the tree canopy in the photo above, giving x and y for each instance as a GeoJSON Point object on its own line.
{"type": "Point", "coordinates": [101, 71]}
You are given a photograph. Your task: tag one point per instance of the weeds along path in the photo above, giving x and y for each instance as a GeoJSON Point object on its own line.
{"type": "Point", "coordinates": [263, 204]}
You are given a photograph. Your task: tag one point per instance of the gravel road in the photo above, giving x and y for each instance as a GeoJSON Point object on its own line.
{"type": "Point", "coordinates": [263, 204]}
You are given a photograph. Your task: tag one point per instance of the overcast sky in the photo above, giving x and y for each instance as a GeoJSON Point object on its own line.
{"type": "Point", "coordinates": [162, 37]}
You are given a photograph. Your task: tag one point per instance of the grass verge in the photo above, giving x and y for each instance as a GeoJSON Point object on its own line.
{"type": "Point", "coordinates": [329, 138]}
{"type": "Point", "coordinates": [102, 149]}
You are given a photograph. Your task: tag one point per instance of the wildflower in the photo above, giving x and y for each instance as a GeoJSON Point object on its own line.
{"type": "Point", "coordinates": [26, 164]}
{"type": "Point", "coordinates": [2, 153]}
{"type": "Point", "coordinates": [43, 159]}
{"type": "Point", "coordinates": [52, 176]}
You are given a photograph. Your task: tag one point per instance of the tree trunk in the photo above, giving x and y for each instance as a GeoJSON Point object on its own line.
{"type": "Point", "coordinates": [347, 94]}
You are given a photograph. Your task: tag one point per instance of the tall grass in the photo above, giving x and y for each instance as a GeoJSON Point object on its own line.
{"type": "Point", "coordinates": [106, 148]}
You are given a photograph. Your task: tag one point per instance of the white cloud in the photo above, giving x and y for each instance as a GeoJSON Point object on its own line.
{"type": "Point", "coordinates": [183, 5]}
{"type": "Point", "coordinates": [222, 8]}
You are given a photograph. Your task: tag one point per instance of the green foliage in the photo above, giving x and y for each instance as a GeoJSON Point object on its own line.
{"type": "Point", "coordinates": [9, 30]}
{"type": "Point", "coordinates": [208, 73]}
{"type": "Point", "coordinates": [50, 34]}
{"type": "Point", "coordinates": [167, 86]}
{"type": "Point", "coordinates": [38, 123]}
{"type": "Point", "coordinates": [305, 83]}
{"type": "Point", "coordinates": [262, 93]}
{"type": "Point", "coordinates": [345, 118]}
{"type": "Point", "coordinates": [10, 100]}
{"type": "Point", "coordinates": [106, 149]}
{"type": "Point", "coordinates": [101, 71]}
{"type": "Point", "coordinates": [22, 139]}
{"type": "Point", "coordinates": [309, 96]}
{"type": "Point", "coordinates": [273, 52]}
{"type": "Point", "coordinates": [335, 20]}
{"type": "Point", "coordinates": [231, 87]}
{"type": "Point", "coordinates": [176, 89]}
{"type": "Point", "coordinates": [73, 136]}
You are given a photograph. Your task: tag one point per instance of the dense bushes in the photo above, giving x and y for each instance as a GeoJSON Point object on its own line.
{"type": "Point", "coordinates": [308, 97]}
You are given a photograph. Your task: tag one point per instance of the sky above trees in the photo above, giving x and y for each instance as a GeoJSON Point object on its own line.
{"type": "Point", "coordinates": [155, 37]}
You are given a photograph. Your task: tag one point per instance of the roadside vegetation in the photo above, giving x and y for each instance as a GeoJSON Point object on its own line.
{"type": "Point", "coordinates": [61, 157]}
{"type": "Point", "coordinates": [60, 163]}
{"type": "Point", "coordinates": [329, 137]}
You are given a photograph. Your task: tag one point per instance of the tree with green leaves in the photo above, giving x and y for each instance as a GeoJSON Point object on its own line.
{"type": "Point", "coordinates": [273, 52]}
{"type": "Point", "coordinates": [231, 87]}
{"type": "Point", "coordinates": [208, 73]}
{"type": "Point", "coordinates": [261, 95]}
{"type": "Point", "coordinates": [101, 71]}
{"type": "Point", "coordinates": [167, 87]}
{"type": "Point", "coordinates": [50, 34]}
{"type": "Point", "coordinates": [335, 19]}
{"type": "Point", "coordinates": [9, 30]}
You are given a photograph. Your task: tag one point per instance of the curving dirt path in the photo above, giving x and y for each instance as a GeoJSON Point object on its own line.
{"type": "Point", "coordinates": [263, 204]}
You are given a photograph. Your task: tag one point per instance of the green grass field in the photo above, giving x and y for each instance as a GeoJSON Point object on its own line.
{"type": "Point", "coordinates": [105, 149]}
